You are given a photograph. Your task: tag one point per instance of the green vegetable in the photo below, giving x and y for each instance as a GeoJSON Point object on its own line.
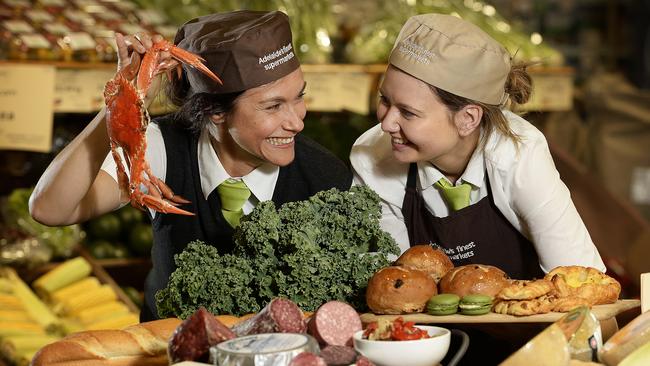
{"type": "Point", "coordinates": [62, 240]}
{"type": "Point", "coordinates": [324, 248]}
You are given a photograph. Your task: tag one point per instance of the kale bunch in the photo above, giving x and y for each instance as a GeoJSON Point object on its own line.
{"type": "Point", "coordinates": [313, 251]}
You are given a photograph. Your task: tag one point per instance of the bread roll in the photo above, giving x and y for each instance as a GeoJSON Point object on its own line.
{"type": "Point", "coordinates": [428, 259]}
{"type": "Point", "coordinates": [399, 290]}
{"type": "Point", "coordinates": [474, 279]}
{"type": "Point", "coordinates": [142, 344]}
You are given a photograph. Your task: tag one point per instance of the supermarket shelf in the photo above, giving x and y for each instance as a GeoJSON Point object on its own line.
{"type": "Point", "coordinates": [330, 87]}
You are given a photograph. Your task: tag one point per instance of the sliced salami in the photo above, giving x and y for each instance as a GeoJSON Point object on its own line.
{"type": "Point", "coordinates": [193, 338]}
{"type": "Point", "coordinates": [363, 361]}
{"type": "Point", "coordinates": [334, 323]}
{"type": "Point", "coordinates": [279, 316]}
{"type": "Point", "coordinates": [307, 359]}
{"type": "Point", "coordinates": [338, 355]}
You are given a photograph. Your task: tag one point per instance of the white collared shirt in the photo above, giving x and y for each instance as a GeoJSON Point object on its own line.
{"type": "Point", "coordinates": [261, 181]}
{"type": "Point", "coordinates": [524, 183]}
{"type": "Point", "coordinates": [474, 174]}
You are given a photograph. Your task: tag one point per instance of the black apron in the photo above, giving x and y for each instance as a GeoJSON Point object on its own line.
{"type": "Point", "coordinates": [476, 234]}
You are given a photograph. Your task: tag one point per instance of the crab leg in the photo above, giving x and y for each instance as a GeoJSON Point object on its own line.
{"type": "Point", "coordinates": [152, 64]}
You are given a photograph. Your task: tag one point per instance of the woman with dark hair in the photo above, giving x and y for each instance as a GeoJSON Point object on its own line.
{"type": "Point", "coordinates": [455, 167]}
{"type": "Point", "coordinates": [226, 148]}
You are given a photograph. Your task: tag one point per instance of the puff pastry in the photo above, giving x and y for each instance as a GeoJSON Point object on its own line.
{"type": "Point", "coordinates": [585, 282]}
{"type": "Point", "coordinates": [540, 305]}
{"type": "Point", "coordinates": [525, 290]}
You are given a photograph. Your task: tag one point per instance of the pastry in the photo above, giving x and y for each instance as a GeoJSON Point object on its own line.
{"type": "Point", "coordinates": [525, 290]}
{"type": "Point", "coordinates": [540, 305]}
{"type": "Point", "coordinates": [475, 304]}
{"type": "Point", "coordinates": [586, 282]}
{"type": "Point", "coordinates": [444, 304]}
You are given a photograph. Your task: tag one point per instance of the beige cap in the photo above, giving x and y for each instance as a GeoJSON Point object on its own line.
{"type": "Point", "coordinates": [453, 55]}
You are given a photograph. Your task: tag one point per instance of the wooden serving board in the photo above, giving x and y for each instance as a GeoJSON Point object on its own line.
{"type": "Point", "coordinates": [602, 312]}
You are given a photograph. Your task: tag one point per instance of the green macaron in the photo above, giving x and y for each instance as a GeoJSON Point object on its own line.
{"type": "Point", "coordinates": [444, 304]}
{"type": "Point", "coordinates": [475, 304]}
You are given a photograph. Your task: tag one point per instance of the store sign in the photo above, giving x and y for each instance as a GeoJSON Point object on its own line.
{"type": "Point", "coordinates": [338, 91]}
{"type": "Point", "coordinates": [26, 93]}
{"type": "Point", "coordinates": [80, 90]}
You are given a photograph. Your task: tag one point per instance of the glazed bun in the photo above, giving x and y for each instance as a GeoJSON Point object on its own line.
{"type": "Point", "coordinates": [399, 290]}
{"type": "Point", "coordinates": [427, 259]}
{"type": "Point", "coordinates": [474, 279]}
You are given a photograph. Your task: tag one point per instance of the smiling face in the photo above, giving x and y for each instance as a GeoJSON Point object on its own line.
{"type": "Point", "coordinates": [262, 125]}
{"type": "Point", "coordinates": [420, 125]}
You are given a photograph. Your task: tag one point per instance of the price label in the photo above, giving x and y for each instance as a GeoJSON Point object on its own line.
{"type": "Point", "coordinates": [18, 26]}
{"type": "Point", "coordinates": [80, 41]}
{"type": "Point", "coordinates": [35, 41]}
{"type": "Point", "coordinates": [338, 91]}
{"type": "Point", "coordinates": [26, 93]}
{"type": "Point", "coordinates": [58, 29]}
{"type": "Point", "coordinates": [80, 90]}
{"type": "Point", "coordinates": [39, 16]}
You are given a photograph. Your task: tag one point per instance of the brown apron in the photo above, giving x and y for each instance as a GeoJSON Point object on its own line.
{"type": "Point", "coordinates": [478, 233]}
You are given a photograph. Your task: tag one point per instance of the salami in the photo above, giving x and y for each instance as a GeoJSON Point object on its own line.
{"type": "Point", "coordinates": [279, 316]}
{"type": "Point", "coordinates": [363, 361]}
{"type": "Point", "coordinates": [193, 338]}
{"type": "Point", "coordinates": [334, 323]}
{"type": "Point", "coordinates": [307, 359]}
{"type": "Point", "coordinates": [338, 355]}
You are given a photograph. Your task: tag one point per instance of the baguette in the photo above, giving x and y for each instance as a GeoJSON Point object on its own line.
{"type": "Point", "coordinates": [142, 344]}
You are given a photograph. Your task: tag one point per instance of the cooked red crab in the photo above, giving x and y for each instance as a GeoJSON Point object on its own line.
{"type": "Point", "coordinates": [127, 120]}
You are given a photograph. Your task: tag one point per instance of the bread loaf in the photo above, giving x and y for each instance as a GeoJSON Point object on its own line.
{"type": "Point", "coordinates": [399, 290]}
{"type": "Point", "coordinates": [474, 279]}
{"type": "Point", "coordinates": [428, 259]}
{"type": "Point", "coordinates": [142, 344]}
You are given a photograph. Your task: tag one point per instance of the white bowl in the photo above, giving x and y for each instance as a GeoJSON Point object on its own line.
{"type": "Point", "coordinates": [421, 352]}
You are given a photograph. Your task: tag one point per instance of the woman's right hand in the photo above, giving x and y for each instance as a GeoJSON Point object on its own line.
{"type": "Point", "coordinates": [131, 48]}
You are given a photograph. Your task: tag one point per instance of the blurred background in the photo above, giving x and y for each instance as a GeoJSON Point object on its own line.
{"type": "Point", "coordinates": [591, 74]}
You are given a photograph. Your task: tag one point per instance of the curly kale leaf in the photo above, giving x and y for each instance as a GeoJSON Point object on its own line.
{"type": "Point", "coordinates": [322, 245]}
{"type": "Point", "coordinates": [312, 251]}
{"type": "Point", "coordinates": [221, 283]}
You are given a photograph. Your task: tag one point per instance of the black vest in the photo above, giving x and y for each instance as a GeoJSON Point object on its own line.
{"type": "Point", "coordinates": [314, 169]}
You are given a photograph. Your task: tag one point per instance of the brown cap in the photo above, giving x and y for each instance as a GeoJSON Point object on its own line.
{"type": "Point", "coordinates": [244, 48]}
{"type": "Point", "coordinates": [453, 55]}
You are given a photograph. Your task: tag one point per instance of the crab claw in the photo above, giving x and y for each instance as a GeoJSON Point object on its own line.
{"type": "Point", "coordinates": [166, 191]}
{"type": "Point", "coordinates": [152, 63]}
{"type": "Point", "coordinates": [161, 205]}
{"type": "Point", "coordinates": [194, 61]}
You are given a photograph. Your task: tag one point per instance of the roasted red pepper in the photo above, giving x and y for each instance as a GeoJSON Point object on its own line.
{"type": "Point", "coordinates": [407, 331]}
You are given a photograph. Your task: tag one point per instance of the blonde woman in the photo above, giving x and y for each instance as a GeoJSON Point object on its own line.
{"type": "Point", "coordinates": [455, 168]}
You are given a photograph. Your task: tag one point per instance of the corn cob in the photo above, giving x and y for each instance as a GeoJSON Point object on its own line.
{"type": "Point", "coordinates": [103, 311]}
{"type": "Point", "coordinates": [14, 347]}
{"type": "Point", "coordinates": [79, 287]}
{"type": "Point", "coordinates": [62, 275]}
{"type": "Point", "coordinates": [15, 315]}
{"type": "Point", "coordinates": [116, 322]}
{"type": "Point", "coordinates": [25, 358]}
{"type": "Point", "coordinates": [9, 328]}
{"type": "Point", "coordinates": [6, 287]}
{"type": "Point", "coordinates": [33, 305]}
{"type": "Point", "coordinates": [71, 325]}
{"type": "Point", "coordinates": [98, 296]}
{"type": "Point", "coordinates": [10, 302]}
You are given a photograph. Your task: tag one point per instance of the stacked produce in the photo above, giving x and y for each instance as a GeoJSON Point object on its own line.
{"type": "Point", "coordinates": [27, 243]}
{"type": "Point", "coordinates": [72, 30]}
{"type": "Point", "coordinates": [375, 38]}
{"type": "Point", "coordinates": [120, 234]}
{"type": "Point", "coordinates": [80, 300]}
{"type": "Point", "coordinates": [64, 300]}
{"type": "Point", "coordinates": [26, 323]}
